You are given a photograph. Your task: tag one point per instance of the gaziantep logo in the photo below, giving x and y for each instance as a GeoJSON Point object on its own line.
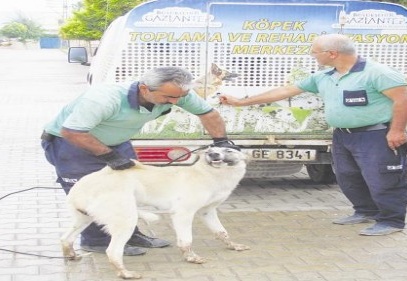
{"type": "Point", "coordinates": [372, 19]}
{"type": "Point", "coordinates": [177, 17]}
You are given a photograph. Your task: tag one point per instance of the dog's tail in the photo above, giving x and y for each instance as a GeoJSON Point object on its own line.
{"type": "Point", "coordinates": [148, 216]}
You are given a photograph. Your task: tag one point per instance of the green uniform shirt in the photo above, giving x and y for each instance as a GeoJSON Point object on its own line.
{"type": "Point", "coordinates": [355, 99]}
{"type": "Point", "coordinates": [112, 114]}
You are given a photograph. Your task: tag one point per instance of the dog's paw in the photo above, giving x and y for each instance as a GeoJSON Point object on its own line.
{"type": "Point", "coordinates": [238, 247]}
{"type": "Point", "coordinates": [69, 253]}
{"type": "Point", "coordinates": [190, 256]}
{"type": "Point", "coordinates": [194, 258]}
{"type": "Point", "coordinates": [73, 258]}
{"type": "Point", "coordinates": [126, 274]}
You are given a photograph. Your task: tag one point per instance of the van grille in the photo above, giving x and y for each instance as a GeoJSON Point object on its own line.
{"type": "Point", "coordinates": [254, 71]}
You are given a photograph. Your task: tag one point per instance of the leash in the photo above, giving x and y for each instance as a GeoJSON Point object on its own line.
{"type": "Point", "coordinates": [25, 253]}
{"type": "Point", "coordinates": [23, 190]}
{"type": "Point", "coordinates": [35, 255]}
{"type": "Point", "coordinates": [199, 148]}
{"type": "Point", "coordinates": [187, 153]}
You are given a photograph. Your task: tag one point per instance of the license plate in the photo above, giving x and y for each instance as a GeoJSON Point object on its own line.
{"type": "Point", "coordinates": [283, 154]}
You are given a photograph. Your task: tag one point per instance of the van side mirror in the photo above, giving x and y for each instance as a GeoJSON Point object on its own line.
{"type": "Point", "coordinates": [78, 55]}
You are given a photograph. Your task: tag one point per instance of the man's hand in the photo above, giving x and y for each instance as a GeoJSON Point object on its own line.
{"type": "Point", "coordinates": [229, 100]}
{"type": "Point", "coordinates": [115, 161]}
{"type": "Point", "coordinates": [396, 138]}
{"type": "Point", "coordinates": [225, 142]}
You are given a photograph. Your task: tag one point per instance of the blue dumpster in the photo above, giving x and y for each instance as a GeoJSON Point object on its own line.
{"type": "Point", "coordinates": [50, 43]}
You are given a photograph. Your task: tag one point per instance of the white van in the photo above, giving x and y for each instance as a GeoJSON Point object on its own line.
{"type": "Point", "coordinates": [243, 48]}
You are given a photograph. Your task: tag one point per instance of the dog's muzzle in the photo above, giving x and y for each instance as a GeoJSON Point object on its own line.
{"type": "Point", "coordinates": [217, 157]}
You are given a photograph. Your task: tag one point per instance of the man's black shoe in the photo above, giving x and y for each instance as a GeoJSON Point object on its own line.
{"type": "Point", "coordinates": [140, 240]}
{"type": "Point", "coordinates": [128, 250]}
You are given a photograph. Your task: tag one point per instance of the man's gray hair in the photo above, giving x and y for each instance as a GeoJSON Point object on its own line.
{"type": "Point", "coordinates": [337, 42]}
{"type": "Point", "coordinates": [156, 77]}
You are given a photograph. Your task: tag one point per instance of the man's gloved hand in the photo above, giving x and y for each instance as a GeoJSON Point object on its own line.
{"type": "Point", "coordinates": [115, 161]}
{"type": "Point", "coordinates": [225, 142]}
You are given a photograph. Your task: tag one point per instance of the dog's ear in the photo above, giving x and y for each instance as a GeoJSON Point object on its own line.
{"type": "Point", "coordinates": [215, 70]}
{"type": "Point", "coordinates": [246, 157]}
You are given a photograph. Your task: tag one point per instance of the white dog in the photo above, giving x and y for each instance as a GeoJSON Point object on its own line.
{"type": "Point", "coordinates": [110, 198]}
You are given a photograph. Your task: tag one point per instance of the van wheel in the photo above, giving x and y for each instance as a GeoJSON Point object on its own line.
{"type": "Point", "coordinates": [321, 173]}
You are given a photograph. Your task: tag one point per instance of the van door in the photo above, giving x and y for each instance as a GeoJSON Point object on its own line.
{"type": "Point", "coordinates": [267, 45]}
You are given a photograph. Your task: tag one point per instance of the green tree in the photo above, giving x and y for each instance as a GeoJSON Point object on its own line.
{"type": "Point", "coordinates": [22, 29]}
{"type": "Point", "coordinates": [92, 19]}
{"type": "Point", "coordinates": [13, 30]}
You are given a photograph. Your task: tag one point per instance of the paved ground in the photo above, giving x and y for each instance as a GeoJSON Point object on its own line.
{"type": "Point", "coordinates": [286, 221]}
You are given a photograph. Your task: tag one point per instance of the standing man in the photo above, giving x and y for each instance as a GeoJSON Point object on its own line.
{"type": "Point", "coordinates": [367, 104]}
{"type": "Point", "coordinates": [95, 129]}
